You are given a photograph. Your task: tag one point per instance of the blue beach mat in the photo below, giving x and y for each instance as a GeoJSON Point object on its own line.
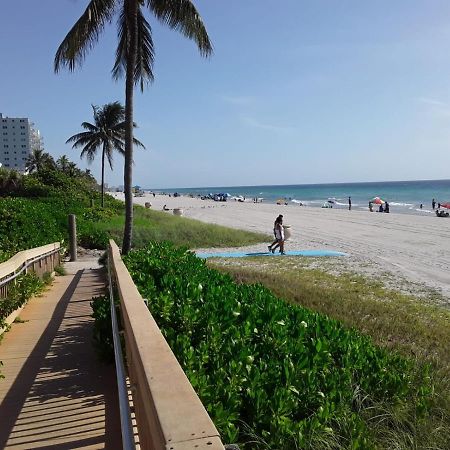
{"type": "Point", "coordinates": [288, 253]}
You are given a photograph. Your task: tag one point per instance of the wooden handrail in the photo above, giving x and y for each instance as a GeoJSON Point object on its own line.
{"type": "Point", "coordinates": [11, 265]}
{"type": "Point", "coordinates": [169, 414]}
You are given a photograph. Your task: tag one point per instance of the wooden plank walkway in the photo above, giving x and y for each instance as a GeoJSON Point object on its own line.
{"type": "Point", "coordinates": [56, 394]}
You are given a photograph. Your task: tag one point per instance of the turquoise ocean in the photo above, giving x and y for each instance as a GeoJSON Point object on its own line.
{"type": "Point", "coordinates": [403, 196]}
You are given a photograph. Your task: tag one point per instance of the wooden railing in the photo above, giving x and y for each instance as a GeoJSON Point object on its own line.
{"type": "Point", "coordinates": [168, 412]}
{"type": "Point", "coordinates": [38, 260]}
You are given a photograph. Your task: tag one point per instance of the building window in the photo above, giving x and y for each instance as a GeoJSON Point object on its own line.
{"type": "Point", "coordinates": [5, 145]}
{"type": "Point", "coordinates": [5, 127]}
{"type": "Point", "coordinates": [22, 120]}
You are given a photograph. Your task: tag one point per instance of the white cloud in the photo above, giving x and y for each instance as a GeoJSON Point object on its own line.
{"type": "Point", "coordinates": [238, 99]}
{"type": "Point", "coordinates": [435, 106]}
{"type": "Point", "coordinates": [431, 101]}
{"type": "Point", "coordinates": [252, 122]}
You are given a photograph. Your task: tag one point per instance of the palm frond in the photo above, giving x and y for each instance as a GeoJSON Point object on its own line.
{"type": "Point", "coordinates": [138, 143]}
{"type": "Point", "coordinates": [143, 70]}
{"type": "Point", "coordinates": [90, 127]}
{"type": "Point", "coordinates": [81, 137]}
{"type": "Point", "coordinates": [181, 15]}
{"type": "Point", "coordinates": [119, 67]}
{"type": "Point", "coordinates": [84, 34]}
{"type": "Point", "coordinates": [89, 152]}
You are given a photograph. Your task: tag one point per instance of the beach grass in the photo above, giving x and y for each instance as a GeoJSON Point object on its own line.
{"type": "Point", "coordinates": [152, 225]}
{"type": "Point", "coordinates": [400, 322]}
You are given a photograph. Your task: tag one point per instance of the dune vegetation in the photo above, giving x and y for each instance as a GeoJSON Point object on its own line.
{"type": "Point", "coordinates": [48, 195]}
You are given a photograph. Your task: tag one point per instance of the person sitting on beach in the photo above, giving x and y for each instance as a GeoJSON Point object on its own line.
{"type": "Point", "coordinates": [380, 209]}
{"type": "Point", "coordinates": [370, 206]}
{"type": "Point", "coordinates": [386, 207]}
{"type": "Point", "coordinates": [165, 208]}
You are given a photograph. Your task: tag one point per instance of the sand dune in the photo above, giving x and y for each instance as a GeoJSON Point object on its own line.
{"type": "Point", "coordinates": [417, 248]}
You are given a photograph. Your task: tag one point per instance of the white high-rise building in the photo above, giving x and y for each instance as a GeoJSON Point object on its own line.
{"type": "Point", "coordinates": [17, 137]}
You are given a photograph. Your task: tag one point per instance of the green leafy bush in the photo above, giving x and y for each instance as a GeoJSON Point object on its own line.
{"type": "Point", "coordinates": [25, 286]}
{"type": "Point", "coordinates": [103, 339]}
{"type": "Point", "coordinates": [271, 374]}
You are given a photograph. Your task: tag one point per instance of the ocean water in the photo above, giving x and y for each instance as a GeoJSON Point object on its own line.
{"type": "Point", "coordinates": [403, 196]}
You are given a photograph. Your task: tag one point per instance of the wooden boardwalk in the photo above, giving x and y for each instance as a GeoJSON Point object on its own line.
{"type": "Point", "coordinates": [56, 394]}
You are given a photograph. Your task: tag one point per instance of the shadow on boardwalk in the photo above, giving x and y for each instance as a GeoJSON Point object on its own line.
{"type": "Point", "coordinates": [62, 397]}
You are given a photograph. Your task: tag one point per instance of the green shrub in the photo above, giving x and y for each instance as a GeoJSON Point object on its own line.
{"type": "Point", "coordinates": [25, 286]}
{"type": "Point", "coordinates": [102, 337]}
{"type": "Point", "coordinates": [271, 374]}
{"type": "Point", "coordinates": [60, 270]}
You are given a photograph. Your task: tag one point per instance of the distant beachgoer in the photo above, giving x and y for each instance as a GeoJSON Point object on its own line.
{"type": "Point", "coordinates": [154, 195]}
{"type": "Point", "coordinates": [370, 206]}
{"type": "Point", "coordinates": [421, 206]}
{"type": "Point", "coordinates": [349, 203]}
{"type": "Point", "coordinates": [380, 209]}
{"type": "Point", "coordinates": [386, 207]}
{"type": "Point", "coordinates": [433, 203]}
{"type": "Point", "coordinates": [276, 243]}
{"type": "Point", "coordinates": [279, 234]}
{"type": "Point", "coordinates": [165, 208]}
{"type": "Point", "coordinates": [439, 206]}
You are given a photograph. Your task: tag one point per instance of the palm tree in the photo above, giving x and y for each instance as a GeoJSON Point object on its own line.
{"type": "Point", "coordinates": [10, 181]}
{"type": "Point", "coordinates": [107, 132]}
{"type": "Point", "coordinates": [72, 169]}
{"type": "Point", "coordinates": [62, 163]}
{"type": "Point", "coordinates": [134, 57]}
{"type": "Point", "coordinates": [38, 161]}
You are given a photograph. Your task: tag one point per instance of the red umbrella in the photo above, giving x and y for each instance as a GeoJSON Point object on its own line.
{"type": "Point", "coordinates": [378, 201]}
{"type": "Point", "coordinates": [445, 205]}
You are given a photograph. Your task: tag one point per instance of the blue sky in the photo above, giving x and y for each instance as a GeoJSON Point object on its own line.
{"type": "Point", "coordinates": [296, 92]}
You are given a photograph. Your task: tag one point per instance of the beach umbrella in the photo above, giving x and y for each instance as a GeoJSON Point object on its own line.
{"type": "Point", "coordinates": [445, 205]}
{"type": "Point", "coordinates": [378, 201]}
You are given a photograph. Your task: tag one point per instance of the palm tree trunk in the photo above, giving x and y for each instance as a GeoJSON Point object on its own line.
{"type": "Point", "coordinates": [131, 12]}
{"type": "Point", "coordinates": [103, 176]}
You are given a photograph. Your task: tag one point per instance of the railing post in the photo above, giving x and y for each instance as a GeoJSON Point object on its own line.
{"type": "Point", "coordinates": [73, 237]}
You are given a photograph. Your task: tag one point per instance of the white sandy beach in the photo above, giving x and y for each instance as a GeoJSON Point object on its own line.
{"type": "Point", "coordinates": [410, 247]}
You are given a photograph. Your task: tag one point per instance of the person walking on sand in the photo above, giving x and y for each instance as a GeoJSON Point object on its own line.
{"type": "Point", "coordinates": [278, 232]}
{"type": "Point", "coordinates": [349, 203]}
{"type": "Point", "coordinates": [433, 203]}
